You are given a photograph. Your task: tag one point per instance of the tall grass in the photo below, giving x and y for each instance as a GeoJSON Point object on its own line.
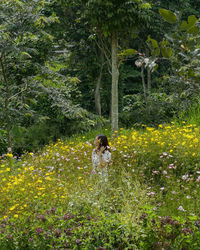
{"type": "Point", "coordinates": [151, 199]}
{"type": "Point", "coordinates": [189, 116]}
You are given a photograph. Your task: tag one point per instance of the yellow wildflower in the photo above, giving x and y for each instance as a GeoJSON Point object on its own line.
{"type": "Point", "coordinates": [10, 155]}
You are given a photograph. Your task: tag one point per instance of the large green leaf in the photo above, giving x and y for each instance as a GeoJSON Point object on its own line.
{"type": "Point", "coordinates": [168, 16]}
{"type": "Point", "coordinates": [194, 30]}
{"type": "Point", "coordinates": [24, 55]}
{"type": "Point", "coordinates": [155, 68]}
{"type": "Point", "coordinates": [153, 41]}
{"type": "Point", "coordinates": [190, 25]}
{"type": "Point", "coordinates": [128, 52]}
{"type": "Point", "coordinates": [155, 51]}
{"type": "Point", "coordinates": [166, 51]}
{"type": "Point", "coordinates": [191, 72]}
{"type": "Point", "coordinates": [184, 25]}
{"type": "Point", "coordinates": [192, 20]}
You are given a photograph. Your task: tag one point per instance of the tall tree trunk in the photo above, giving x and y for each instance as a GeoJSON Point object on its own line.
{"type": "Point", "coordinates": [7, 119]}
{"type": "Point", "coordinates": [97, 96]}
{"type": "Point", "coordinates": [115, 78]}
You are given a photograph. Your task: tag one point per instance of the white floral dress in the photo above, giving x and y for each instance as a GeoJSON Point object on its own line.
{"type": "Point", "coordinates": [97, 169]}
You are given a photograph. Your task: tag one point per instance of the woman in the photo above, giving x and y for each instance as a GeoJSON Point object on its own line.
{"type": "Point", "coordinates": [101, 156]}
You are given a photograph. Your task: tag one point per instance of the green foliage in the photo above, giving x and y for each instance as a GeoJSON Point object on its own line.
{"type": "Point", "coordinates": [3, 141]}
{"type": "Point", "coordinates": [51, 51]}
{"type": "Point", "coordinates": [190, 115]}
{"type": "Point", "coordinates": [116, 15]}
{"type": "Point", "coordinates": [54, 126]}
{"type": "Point", "coordinates": [83, 35]}
{"type": "Point", "coordinates": [80, 230]}
{"type": "Point", "coordinates": [167, 232]}
{"type": "Point", "coordinates": [168, 16]}
{"type": "Point", "coordinates": [42, 100]}
{"type": "Point", "coordinates": [165, 50]}
{"type": "Point", "coordinates": [183, 42]}
{"type": "Point", "coordinates": [21, 40]}
{"type": "Point", "coordinates": [188, 26]}
{"type": "Point", "coordinates": [74, 230]}
{"type": "Point", "coordinates": [155, 48]}
{"type": "Point", "coordinates": [128, 52]}
{"type": "Point", "coordinates": [160, 109]}
{"type": "Point", "coordinates": [180, 48]}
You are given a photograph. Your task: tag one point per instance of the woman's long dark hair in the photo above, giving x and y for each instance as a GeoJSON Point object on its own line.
{"type": "Point", "coordinates": [103, 142]}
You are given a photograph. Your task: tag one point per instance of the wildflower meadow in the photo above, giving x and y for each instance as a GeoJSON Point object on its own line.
{"type": "Point", "coordinates": [49, 200]}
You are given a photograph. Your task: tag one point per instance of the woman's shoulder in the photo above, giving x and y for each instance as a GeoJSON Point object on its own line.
{"type": "Point", "coordinates": [107, 156]}
{"type": "Point", "coordinates": [107, 152]}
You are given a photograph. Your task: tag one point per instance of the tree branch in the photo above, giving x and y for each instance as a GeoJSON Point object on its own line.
{"type": "Point", "coordinates": [104, 52]}
{"type": "Point", "coordinates": [18, 93]}
{"type": "Point", "coordinates": [3, 70]}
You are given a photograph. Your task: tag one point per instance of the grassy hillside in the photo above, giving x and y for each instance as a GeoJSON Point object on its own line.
{"type": "Point", "coordinates": [50, 201]}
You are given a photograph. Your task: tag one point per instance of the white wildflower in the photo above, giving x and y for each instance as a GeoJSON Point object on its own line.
{"type": "Point", "coordinates": [180, 208]}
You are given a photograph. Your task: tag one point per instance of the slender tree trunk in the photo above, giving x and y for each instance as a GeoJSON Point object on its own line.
{"type": "Point", "coordinates": [143, 76]}
{"type": "Point", "coordinates": [115, 78]}
{"type": "Point", "coordinates": [6, 103]}
{"type": "Point", "coordinates": [143, 83]}
{"type": "Point", "coordinates": [149, 90]}
{"type": "Point", "coordinates": [148, 86]}
{"type": "Point", "coordinates": [97, 96]}
{"type": "Point", "coordinates": [148, 76]}
{"type": "Point", "coordinates": [149, 81]}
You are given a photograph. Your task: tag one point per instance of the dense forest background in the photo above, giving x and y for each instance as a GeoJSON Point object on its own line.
{"type": "Point", "coordinates": [56, 69]}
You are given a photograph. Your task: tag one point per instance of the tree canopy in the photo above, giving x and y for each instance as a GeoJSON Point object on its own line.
{"type": "Point", "coordinates": [63, 62]}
